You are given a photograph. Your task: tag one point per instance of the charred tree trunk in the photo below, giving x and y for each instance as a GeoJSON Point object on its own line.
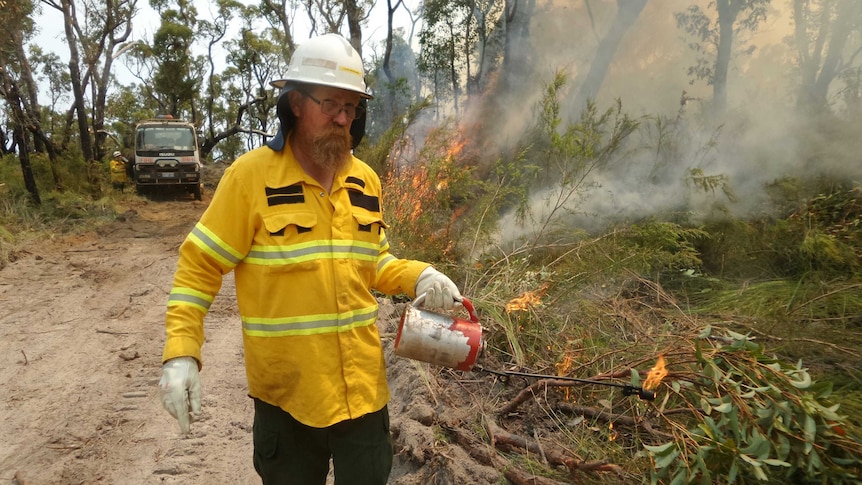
{"type": "Point", "coordinates": [20, 136]}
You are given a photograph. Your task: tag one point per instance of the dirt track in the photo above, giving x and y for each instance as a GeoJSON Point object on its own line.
{"type": "Point", "coordinates": [81, 334]}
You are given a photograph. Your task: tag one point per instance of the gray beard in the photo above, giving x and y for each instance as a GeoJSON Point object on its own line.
{"type": "Point", "coordinates": [332, 149]}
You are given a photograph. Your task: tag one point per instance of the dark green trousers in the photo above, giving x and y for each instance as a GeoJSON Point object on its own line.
{"type": "Point", "coordinates": [287, 452]}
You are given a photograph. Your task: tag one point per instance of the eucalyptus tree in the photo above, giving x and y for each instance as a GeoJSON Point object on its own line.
{"type": "Point", "coordinates": [175, 72]}
{"type": "Point", "coordinates": [96, 32]}
{"type": "Point", "coordinates": [627, 13]}
{"type": "Point", "coordinates": [517, 57]}
{"type": "Point", "coordinates": [828, 46]}
{"type": "Point", "coordinates": [254, 59]}
{"type": "Point", "coordinates": [330, 16]}
{"type": "Point", "coordinates": [714, 38]}
{"type": "Point", "coordinates": [16, 17]}
{"type": "Point", "coordinates": [461, 43]}
{"type": "Point", "coordinates": [281, 18]}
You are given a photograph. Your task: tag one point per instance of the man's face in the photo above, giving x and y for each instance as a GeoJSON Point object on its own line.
{"type": "Point", "coordinates": [323, 123]}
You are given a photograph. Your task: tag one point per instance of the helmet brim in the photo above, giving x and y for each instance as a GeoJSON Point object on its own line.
{"type": "Point", "coordinates": [281, 83]}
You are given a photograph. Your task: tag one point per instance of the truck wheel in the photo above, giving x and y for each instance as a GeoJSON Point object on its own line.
{"type": "Point", "coordinates": [198, 192]}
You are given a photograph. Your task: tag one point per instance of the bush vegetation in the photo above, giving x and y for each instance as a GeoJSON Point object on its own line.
{"type": "Point", "coordinates": [758, 317]}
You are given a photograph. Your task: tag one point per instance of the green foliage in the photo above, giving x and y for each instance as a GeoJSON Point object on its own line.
{"type": "Point", "coordinates": [704, 28]}
{"type": "Point", "coordinates": [559, 159]}
{"type": "Point", "coordinates": [819, 233]}
{"type": "Point", "coordinates": [663, 246]}
{"type": "Point", "coordinates": [754, 419]}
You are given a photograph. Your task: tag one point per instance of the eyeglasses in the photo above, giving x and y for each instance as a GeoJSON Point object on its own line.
{"type": "Point", "coordinates": [330, 107]}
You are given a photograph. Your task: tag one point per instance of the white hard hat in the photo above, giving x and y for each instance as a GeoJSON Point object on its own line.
{"type": "Point", "coordinates": [117, 154]}
{"type": "Point", "coordinates": [327, 60]}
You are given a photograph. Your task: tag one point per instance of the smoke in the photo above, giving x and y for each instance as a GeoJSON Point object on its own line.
{"type": "Point", "coordinates": [762, 137]}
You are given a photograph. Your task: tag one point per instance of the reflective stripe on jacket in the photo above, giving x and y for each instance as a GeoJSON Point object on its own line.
{"type": "Point", "coordinates": [304, 262]}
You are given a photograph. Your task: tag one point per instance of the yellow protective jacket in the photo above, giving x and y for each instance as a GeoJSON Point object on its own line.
{"type": "Point", "coordinates": [118, 171]}
{"type": "Point", "coordinates": [304, 263]}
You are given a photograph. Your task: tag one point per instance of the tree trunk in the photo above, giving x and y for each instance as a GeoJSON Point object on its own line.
{"type": "Point", "coordinates": [727, 12]}
{"type": "Point", "coordinates": [77, 86]}
{"type": "Point", "coordinates": [627, 12]}
{"type": "Point", "coordinates": [847, 13]}
{"type": "Point", "coordinates": [354, 19]}
{"type": "Point", "coordinates": [517, 58]}
{"type": "Point", "coordinates": [26, 169]}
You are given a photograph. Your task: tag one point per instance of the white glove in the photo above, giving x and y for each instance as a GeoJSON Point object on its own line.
{"type": "Point", "coordinates": [440, 291]}
{"type": "Point", "coordinates": [180, 388]}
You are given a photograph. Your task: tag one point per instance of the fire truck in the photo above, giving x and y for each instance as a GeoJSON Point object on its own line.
{"type": "Point", "coordinates": [167, 156]}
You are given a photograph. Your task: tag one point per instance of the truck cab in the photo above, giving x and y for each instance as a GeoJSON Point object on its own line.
{"type": "Point", "coordinates": [167, 155]}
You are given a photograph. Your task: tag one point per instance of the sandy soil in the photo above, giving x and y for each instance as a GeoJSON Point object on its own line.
{"type": "Point", "coordinates": [81, 334]}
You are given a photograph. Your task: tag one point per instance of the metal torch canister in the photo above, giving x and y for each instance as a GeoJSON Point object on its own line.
{"type": "Point", "coordinates": [439, 339]}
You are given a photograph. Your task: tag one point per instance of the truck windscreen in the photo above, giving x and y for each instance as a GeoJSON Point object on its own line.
{"type": "Point", "coordinates": [165, 138]}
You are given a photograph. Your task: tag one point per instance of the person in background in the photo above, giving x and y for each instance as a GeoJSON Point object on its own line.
{"type": "Point", "coordinates": [120, 171]}
{"type": "Point", "coordinates": [299, 222]}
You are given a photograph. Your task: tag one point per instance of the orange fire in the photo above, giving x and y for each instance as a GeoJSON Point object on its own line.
{"type": "Point", "coordinates": [656, 374]}
{"type": "Point", "coordinates": [563, 367]}
{"type": "Point", "coordinates": [455, 149]}
{"type": "Point", "coordinates": [527, 300]}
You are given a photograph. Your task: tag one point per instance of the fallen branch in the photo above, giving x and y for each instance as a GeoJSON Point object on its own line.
{"type": "Point", "coordinates": [480, 452]}
{"type": "Point", "coordinates": [598, 414]}
{"type": "Point", "coordinates": [502, 438]}
{"type": "Point", "coordinates": [112, 332]}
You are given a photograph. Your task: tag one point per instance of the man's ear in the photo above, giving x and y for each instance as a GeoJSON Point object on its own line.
{"type": "Point", "coordinates": [294, 98]}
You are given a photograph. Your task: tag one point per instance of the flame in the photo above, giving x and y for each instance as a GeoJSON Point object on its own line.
{"type": "Point", "coordinates": [563, 367]}
{"type": "Point", "coordinates": [656, 374]}
{"type": "Point", "coordinates": [612, 433]}
{"type": "Point", "coordinates": [420, 185]}
{"type": "Point", "coordinates": [455, 149]}
{"type": "Point", "coordinates": [526, 300]}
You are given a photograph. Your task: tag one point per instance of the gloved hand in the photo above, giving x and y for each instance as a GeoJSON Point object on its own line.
{"type": "Point", "coordinates": [180, 388]}
{"type": "Point", "coordinates": [440, 291]}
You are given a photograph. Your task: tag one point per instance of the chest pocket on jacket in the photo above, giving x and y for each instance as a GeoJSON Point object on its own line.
{"type": "Point", "coordinates": [289, 224]}
{"type": "Point", "coordinates": [369, 226]}
{"type": "Point", "coordinates": [281, 249]}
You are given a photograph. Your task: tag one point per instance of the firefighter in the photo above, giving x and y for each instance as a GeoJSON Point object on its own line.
{"type": "Point", "coordinates": [120, 168]}
{"type": "Point", "coordinates": [299, 222]}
